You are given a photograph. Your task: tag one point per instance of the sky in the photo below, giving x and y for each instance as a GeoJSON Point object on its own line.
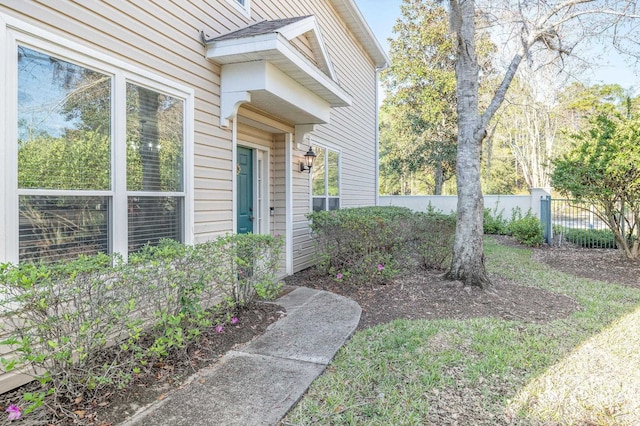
{"type": "Point", "coordinates": [381, 15]}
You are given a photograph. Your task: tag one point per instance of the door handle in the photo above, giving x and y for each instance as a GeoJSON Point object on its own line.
{"type": "Point", "coordinates": [251, 218]}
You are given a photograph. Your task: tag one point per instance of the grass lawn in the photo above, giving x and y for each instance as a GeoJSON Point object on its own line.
{"type": "Point", "coordinates": [584, 369]}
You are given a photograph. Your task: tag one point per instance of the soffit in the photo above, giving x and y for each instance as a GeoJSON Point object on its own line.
{"type": "Point", "coordinates": [356, 23]}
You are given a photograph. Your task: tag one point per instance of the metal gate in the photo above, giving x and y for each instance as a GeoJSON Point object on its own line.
{"type": "Point", "coordinates": [571, 221]}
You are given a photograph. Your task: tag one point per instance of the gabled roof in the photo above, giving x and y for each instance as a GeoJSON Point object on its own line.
{"type": "Point", "coordinates": [264, 27]}
{"type": "Point", "coordinates": [283, 65]}
{"type": "Point", "coordinates": [271, 41]}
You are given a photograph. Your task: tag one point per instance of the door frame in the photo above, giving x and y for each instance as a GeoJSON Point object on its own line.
{"type": "Point", "coordinates": [261, 187]}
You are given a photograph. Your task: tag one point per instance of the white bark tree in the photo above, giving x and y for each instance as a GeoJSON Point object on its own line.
{"type": "Point", "coordinates": [539, 26]}
{"type": "Point", "coordinates": [529, 124]}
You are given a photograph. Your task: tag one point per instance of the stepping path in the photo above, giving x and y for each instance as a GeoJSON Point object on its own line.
{"type": "Point", "coordinates": [260, 382]}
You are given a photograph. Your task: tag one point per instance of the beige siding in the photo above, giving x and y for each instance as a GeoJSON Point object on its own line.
{"type": "Point", "coordinates": [352, 129]}
{"type": "Point", "coordinates": [304, 46]}
{"type": "Point", "coordinates": [278, 186]}
{"type": "Point", "coordinates": [163, 38]}
{"type": "Point", "coordinates": [251, 136]}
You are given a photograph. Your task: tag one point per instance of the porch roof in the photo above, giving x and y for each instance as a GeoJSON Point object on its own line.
{"type": "Point", "coordinates": [261, 65]}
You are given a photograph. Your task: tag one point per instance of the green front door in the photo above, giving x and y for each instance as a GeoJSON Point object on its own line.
{"type": "Point", "coordinates": [245, 190]}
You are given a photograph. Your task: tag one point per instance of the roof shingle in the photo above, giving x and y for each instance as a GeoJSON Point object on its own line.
{"type": "Point", "coordinates": [264, 27]}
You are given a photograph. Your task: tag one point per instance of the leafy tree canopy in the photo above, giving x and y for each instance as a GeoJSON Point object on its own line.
{"type": "Point", "coordinates": [604, 169]}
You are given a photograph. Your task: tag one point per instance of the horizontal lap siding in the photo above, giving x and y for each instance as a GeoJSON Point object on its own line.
{"type": "Point", "coordinates": [277, 192]}
{"type": "Point", "coordinates": [352, 129]}
{"type": "Point", "coordinates": [301, 207]}
{"type": "Point", "coordinates": [162, 38]}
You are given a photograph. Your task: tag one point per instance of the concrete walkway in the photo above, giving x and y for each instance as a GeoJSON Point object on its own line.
{"type": "Point", "coordinates": [259, 383]}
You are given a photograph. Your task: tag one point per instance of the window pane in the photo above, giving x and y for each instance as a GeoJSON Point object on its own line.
{"type": "Point", "coordinates": [152, 219]}
{"type": "Point", "coordinates": [319, 204]}
{"type": "Point", "coordinates": [333, 174]}
{"type": "Point", "coordinates": [64, 122]}
{"type": "Point", "coordinates": [334, 203]}
{"type": "Point", "coordinates": [317, 173]}
{"type": "Point", "coordinates": [58, 228]}
{"type": "Point", "coordinates": [154, 140]}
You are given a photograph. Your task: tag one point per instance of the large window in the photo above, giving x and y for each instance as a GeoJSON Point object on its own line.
{"type": "Point", "coordinates": [100, 158]}
{"type": "Point", "coordinates": [325, 180]}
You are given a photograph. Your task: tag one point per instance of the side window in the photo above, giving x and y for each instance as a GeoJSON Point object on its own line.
{"type": "Point", "coordinates": [243, 6]}
{"type": "Point", "coordinates": [154, 166]}
{"type": "Point", "coordinates": [325, 180]}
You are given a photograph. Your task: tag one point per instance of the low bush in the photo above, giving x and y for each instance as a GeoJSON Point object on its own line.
{"type": "Point", "coordinates": [434, 234]}
{"type": "Point", "coordinates": [494, 222]}
{"type": "Point", "coordinates": [360, 243]}
{"type": "Point", "coordinates": [526, 229]}
{"type": "Point", "coordinates": [368, 244]}
{"type": "Point", "coordinates": [95, 322]}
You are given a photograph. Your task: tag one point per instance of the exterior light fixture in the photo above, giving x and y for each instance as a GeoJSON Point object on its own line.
{"type": "Point", "coordinates": [309, 158]}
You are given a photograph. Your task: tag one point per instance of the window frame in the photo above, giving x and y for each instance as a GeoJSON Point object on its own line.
{"type": "Point", "coordinates": [242, 6]}
{"type": "Point", "coordinates": [15, 33]}
{"type": "Point", "coordinates": [326, 148]}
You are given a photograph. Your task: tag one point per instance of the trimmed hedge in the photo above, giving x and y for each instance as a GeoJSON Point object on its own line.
{"type": "Point", "coordinates": [590, 238]}
{"type": "Point", "coordinates": [92, 323]}
{"type": "Point", "coordinates": [367, 244]}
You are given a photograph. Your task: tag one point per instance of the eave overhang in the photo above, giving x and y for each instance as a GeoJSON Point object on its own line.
{"type": "Point", "coordinates": [270, 73]}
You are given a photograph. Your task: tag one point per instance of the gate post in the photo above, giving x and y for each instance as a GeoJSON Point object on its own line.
{"type": "Point", "coordinates": [545, 218]}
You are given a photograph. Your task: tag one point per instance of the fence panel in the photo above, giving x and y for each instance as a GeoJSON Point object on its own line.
{"type": "Point", "coordinates": [545, 218]}
{"type": "Point", "coordinates": [575, 222]}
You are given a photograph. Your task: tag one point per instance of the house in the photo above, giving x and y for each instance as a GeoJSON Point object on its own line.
{"type": "Point", "coordinates": [128, 121]}
{"type": "Point", "coordinates": [125, 122]}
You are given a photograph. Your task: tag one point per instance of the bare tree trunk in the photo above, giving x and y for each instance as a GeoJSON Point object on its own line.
{"type": "Point", "coordinates": [468, 256]}
{"type": "Point", "coordinates": [438, 179]}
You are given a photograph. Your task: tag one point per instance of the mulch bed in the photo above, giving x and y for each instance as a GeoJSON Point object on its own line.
{"type": "Point", "coordinates": [599, 264]}
{"type": "Point", "coordinates": [428, 295]}
{"type": "Point", "coordinates": [115, 406]}
{"type": "Point", "coordinates": [421, 295]}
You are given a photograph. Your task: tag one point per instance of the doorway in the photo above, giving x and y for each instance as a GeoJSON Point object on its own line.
{"type": "Point", "coordinates": [245, 198]}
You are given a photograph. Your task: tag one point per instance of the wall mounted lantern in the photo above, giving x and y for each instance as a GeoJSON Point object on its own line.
{"type": "Point", "coordinates": [309, 158]}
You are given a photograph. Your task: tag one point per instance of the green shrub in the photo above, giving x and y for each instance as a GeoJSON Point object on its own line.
{"type": "Point", "coordinates": [590, 238]}
{"type": "Point", "coordinates": [92, 323]}
{"type": "Point", "coordinates": [360, 242]}
{"type": "Point", "coordinates": [526, 229]}
{"type": "Point", "coordinates": [494, 222]}
{"type": "Point", "coordinates": [434, 235]}
{"type": "Point", "coordinates": [374, 243]}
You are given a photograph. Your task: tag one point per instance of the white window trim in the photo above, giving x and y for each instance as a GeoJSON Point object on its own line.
{"type": "Point", "coordinates": [326, 147]}
{"type": "Point", "coordinates": [244, 9]}
{"type": "Point", "coordinates": [13, 32]}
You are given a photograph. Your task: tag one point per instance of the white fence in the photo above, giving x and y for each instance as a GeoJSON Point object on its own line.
{"type": "Point", "coordinates": [448, 203]}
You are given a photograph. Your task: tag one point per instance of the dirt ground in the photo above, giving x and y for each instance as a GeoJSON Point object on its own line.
{"type": "Point", "coordinates": [114, 406]}
{"type": "Point", "coordinates": [425, 294]}
{"type": "Point", "coordinates": [598, 264]}
{"type": "Point", "coordinates": [428, 295]}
